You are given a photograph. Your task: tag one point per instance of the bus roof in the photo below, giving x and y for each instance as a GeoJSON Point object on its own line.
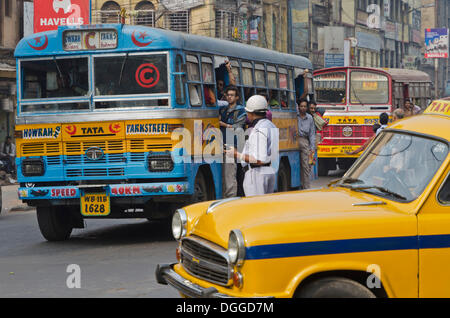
{"type": "Point", "coordinates": [141, 38]}
{"type": "Point", "coordinates": [397, 74]}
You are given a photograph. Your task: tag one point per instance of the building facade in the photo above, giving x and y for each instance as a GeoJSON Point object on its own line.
{"type": "Point", "coordinates": [436, 14]}
{"type": "Point", "coordinates": [383, 33]}
{"type": "Point", "coordinates": [256, 22]}
{"type": "Point", "coordinates": [11, 31]}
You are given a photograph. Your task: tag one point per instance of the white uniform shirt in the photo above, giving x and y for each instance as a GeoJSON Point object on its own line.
{"type": "Point", "coordinates": [262, 144]}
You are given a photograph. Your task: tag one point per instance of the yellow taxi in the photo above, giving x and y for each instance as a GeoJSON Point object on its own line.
{"type": "Point", "coordinates": [382, 230]}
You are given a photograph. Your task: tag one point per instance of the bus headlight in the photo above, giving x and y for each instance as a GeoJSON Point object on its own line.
{"type": "Point", "coordinates": [179, 223]}
{"type": "Point", "coordinates": [33, 167]}
{"type": "Point", "coordinates": [160, 163]}
{"type": "Point", "coordinates": [236, 247]}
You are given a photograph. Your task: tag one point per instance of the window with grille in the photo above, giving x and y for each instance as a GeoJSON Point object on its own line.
{"type": "Point", "coordinates": [227, 25]}
{"type": "Point", "coordinates": [178, 21]}
{"type": "Point", "coordinates": [110, 12]}
{"type": "Point", "coordinates": [144, 14]}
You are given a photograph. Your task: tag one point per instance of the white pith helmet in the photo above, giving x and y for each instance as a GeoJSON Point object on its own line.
{"type": "Point", "coordinates": [256, 103]}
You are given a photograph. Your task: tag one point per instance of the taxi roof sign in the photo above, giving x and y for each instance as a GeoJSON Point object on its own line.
{"type": "Point", "coordinates": [441, 107]}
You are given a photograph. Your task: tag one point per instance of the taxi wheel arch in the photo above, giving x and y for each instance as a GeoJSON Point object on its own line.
{"type": "Point", "coordinates": [54, 223]}
{"type": "Point", "coordinates": [347, 284]}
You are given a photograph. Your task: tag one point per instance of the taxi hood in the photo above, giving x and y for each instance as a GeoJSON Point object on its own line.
{"type": "Point", "coordinates": [306, 215]}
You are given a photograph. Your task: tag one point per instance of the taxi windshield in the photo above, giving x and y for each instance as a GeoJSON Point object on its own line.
{"type": "Point", "coordinates": [398, 166]}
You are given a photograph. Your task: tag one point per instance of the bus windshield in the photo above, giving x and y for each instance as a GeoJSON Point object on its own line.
{"type": "Point", "coordinates": [368, 88]}
{"type": "Point", "coordinates": [330, 88]}
{"type": "Point", "coordinates": [131, 75]}
{"type": "Point", "coordinates": [52, 78]}
{"type": "Point", "coordinates": [62, 84]}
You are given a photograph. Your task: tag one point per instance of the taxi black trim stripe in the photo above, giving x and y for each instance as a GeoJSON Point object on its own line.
{"type": "Point", "coordinates": [347, 246]}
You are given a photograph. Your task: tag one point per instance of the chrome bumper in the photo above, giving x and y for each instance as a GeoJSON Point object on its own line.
{"type": "Point", "coordinates": [165, 275]}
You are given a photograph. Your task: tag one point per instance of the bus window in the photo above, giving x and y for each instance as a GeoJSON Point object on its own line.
{"type": "Point", "coordinates": [368, 88]}
{"type": "Point", "coordinates": [283, 85]}
{"type": "Point", "coordinates": [247, 80]}
{"type": "Point", "coordinates": [290, 78]}
{"type": "Point", "coordinates": [330, 88]}
{"type": "Point", "coordinates": [195, 93]}
{"type": "Point", "coordinates": [235, 70]}
{"type": "Point", "coordinates": [260, 80]}
{"type": "Point", "coordinates": [60, 78]}
{"type": "Point", "coordinates": [208, 81]}
{"type": "Point", "coordinates": [247, 74]}
{"type": "Point", "coordinates": [274, 94]}
{"type": "Point", "coordinates": [180, 95]}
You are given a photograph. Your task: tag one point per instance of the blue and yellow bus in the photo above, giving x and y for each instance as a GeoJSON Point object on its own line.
{"type": "Point", "coordinates": [99, 108]}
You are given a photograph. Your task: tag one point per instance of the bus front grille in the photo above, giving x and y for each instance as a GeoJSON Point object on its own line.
{"type": "Point", "coordinates": [92, 172]}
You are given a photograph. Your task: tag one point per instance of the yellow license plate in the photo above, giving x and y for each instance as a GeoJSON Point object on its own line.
{"type": "Point", "coordinates": [95, 204]}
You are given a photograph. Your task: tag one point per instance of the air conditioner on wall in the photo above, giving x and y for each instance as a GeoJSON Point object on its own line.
{"type": "Point", "coordinates": [6, 104]}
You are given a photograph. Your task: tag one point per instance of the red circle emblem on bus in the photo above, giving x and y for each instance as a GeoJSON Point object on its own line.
{"type": "Point", "coordinates": [147, 75]}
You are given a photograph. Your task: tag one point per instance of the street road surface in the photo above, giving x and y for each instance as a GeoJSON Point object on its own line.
{"type": "Point", "coordinates": [114, 258]}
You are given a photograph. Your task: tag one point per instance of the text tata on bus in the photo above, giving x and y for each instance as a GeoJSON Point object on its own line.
{"type": "Point", "coordinates": [98, 108]}
{"type": "Point", "coordinates": [353, 98]}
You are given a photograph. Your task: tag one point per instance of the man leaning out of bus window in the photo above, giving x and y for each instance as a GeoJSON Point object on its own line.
{"type": "Point", "coordinates": [232, 116]}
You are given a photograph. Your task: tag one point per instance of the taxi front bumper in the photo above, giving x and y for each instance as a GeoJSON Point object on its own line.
{"type": "Point", "coordinates": [165, 275]}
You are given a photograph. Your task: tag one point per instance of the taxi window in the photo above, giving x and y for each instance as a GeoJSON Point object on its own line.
{"type": "Point", "coordinates": [444, 192]}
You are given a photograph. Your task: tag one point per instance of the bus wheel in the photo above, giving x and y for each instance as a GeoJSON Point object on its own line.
{"type": "Point", "coordinates": [325, 165]}
{"type": "Point", "coordinates": [55, 223]}
{"type": "Point", "coordinates": [201, 190]}
{"type": "Point", "coordinates": [1, 200]}
{"type": "Point", "coordinates": [284, 179]}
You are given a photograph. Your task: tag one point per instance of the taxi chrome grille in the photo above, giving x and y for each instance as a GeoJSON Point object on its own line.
{"type": "Point", "coordinates": [205, 260]}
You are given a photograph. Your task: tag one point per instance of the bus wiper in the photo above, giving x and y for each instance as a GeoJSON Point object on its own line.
{"type": "Point", "coordinates": [357, 97]}
{"type": "Point", "coordinates": [381, 189]}
{"type": "Point", "coordinates": [345, 180]}
{"type": "Point", "coordinates": [57, 67]}
{"type": "Point", "coordinates": [121, 69]}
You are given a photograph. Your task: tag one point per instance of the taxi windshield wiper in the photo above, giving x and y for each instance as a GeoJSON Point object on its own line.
{"type": "Point", "coordinates": [347, 180]}
{"type": "Point", "coordinates": [381, 189]}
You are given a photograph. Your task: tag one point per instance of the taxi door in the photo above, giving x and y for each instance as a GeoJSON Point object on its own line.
{"type": "Point", "coordinates": [434, 241]}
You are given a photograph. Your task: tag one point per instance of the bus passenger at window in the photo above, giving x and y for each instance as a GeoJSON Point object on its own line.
{"type": "Point", "coordinates": [273, 102]}
{"type": "Point", "coordinates": [231, 118]}
{"type": "Point", "coordinates": [319, 121]}
{"type": "Point", "coordinates": [410, 109]}
{"type": "Point", "coordinates": [221, 72]}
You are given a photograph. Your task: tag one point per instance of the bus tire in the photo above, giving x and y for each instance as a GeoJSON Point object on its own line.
{"type": "Point", "coordinates": [284, 178]}
{"type": "Point", "coordinates": [54, 223]}
{"type": "Point", "coordinates": [1, 200]}
{"type": "Point", "coordinates": [334, 287]}
{"type": "Point", "coordinates": [202, 190]}
{"type": "Point", "coordinates": [325, 165]}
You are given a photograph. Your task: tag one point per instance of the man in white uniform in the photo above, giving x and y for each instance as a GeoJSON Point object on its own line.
{"type": "Point", "coordinates": [261, 146]}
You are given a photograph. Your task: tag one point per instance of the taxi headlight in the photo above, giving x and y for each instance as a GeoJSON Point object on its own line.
{"type": "Point", "coordinates": [179, 222]}
{"type": "Point", "coordinates": [236, 247]}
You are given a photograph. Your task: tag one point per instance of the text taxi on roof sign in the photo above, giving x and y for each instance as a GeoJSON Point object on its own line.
{"type": "Point", "coordinates": [382, 230]}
